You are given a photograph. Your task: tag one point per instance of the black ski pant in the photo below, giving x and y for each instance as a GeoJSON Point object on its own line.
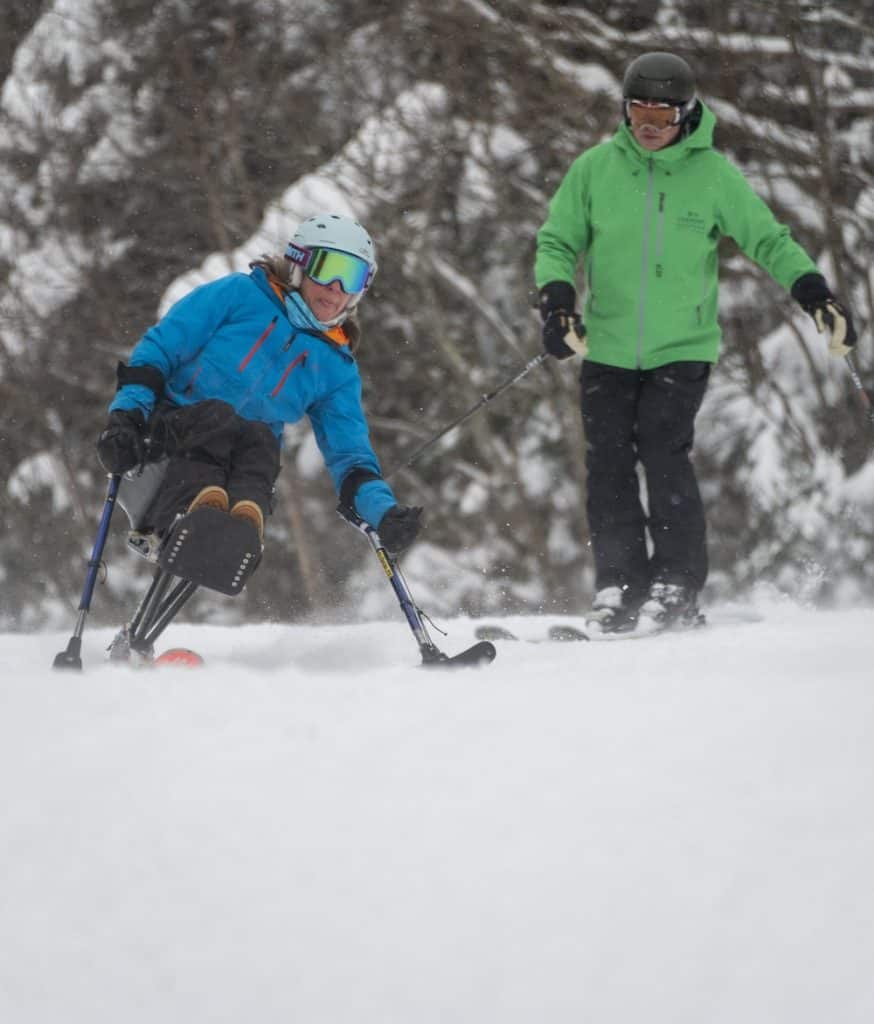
{"type": "Point", "coordinates": [209, 443]}
{"type": "Point", "coordinates": [646, 417]}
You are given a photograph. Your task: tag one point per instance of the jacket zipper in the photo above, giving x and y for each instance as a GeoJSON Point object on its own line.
{"type": "Point", "coordinates": [189, 387]}
{"type": "Point", "coordinates": [644, 261]}
{"type": "Point", "coordinates": [660, 232]}
{"type": "Point", "coordinates": [264, 336]}
{"type": "Point", "coordinates": [297, 361]}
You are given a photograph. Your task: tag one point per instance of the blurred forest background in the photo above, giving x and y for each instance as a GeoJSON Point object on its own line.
{"type": "Point", "coordinates": [143, 141]}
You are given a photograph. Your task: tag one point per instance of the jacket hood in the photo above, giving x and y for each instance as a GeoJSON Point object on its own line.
{"type": "Point", "coordinates": [261, 278]}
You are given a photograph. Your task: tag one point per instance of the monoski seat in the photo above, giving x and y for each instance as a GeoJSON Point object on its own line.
{"type": "Point", "coordinates": [206, 547]}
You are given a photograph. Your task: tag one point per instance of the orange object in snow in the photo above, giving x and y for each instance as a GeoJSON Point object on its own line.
{"type": "Point", "coordinates": [179, 657]}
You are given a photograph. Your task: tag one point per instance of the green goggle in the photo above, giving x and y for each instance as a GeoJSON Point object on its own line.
{"type": "Point", "coordinates": [325, 266]}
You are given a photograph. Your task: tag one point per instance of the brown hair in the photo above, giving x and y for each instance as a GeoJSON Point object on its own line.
{"type": "Point", "coordinates": [277, 269]}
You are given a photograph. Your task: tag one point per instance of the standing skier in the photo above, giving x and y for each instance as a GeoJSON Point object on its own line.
{"type": "Point", "coordinates": [214, 382]}
{"type": "Point", "coordinates": [646, 209]}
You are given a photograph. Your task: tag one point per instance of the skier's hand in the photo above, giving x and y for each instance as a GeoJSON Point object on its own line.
{"type": "Point", "coordinates": [399, 526]}
{"type": "Point", "coordinates": [563, 332]}
{"type": "Point", "coordinates": [836, 322]}
{"type": "Point", "coordinates": [564, 335]}
{"type": "Point", "coordinates": [121, 446]}
{"type": "Point", "coordinates": [831, 317]}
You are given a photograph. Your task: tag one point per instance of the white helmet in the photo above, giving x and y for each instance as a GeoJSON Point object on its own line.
{"type": "Point", "coordinates": [330, 231]}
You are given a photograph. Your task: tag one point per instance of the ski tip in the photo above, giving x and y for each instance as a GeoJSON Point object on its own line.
{"type": "Point", "coordinates": [68, 662]}
{"type": "Point", "coordinates": [567, 634]}
{"type": "Point", "coordinates": [490, 632]}
{"type": "Point", "coordinates": [178, 657]}
{"type": "Point", "coordinates": [483, 653]}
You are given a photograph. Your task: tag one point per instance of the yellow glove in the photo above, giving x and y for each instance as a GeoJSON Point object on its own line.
{"type": "Point", "coordinates": [564, 335]}
{"type": "Point", "coordinates": [836, 323]}
{"type": "Point", "coordinates": [563, 332]}
{"type": "Point", "coordinates": [832, 318]}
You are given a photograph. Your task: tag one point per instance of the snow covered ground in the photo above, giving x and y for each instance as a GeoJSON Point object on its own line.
{"type": "Point", "coordinates": [313, 829]}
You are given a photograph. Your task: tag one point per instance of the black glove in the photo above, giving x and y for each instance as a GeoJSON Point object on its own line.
{"type": "Point", "coordinates": [814, 296]}
{"type": "Point", "coordinates": [399, 526]}
{"type": "Point", "coordinates": [121, 446]}
{"type": "Point", "coordinates": [563, 332]}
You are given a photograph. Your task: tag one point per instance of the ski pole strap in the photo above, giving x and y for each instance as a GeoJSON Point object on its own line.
{"type": "Point", "coordinates": [351, 482]}
{"type": "Point", "coordinates": [148, 376]}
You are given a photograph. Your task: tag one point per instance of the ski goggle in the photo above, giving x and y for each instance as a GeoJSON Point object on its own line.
{"type": "Point", "coordinates": [658, 115]}
{"type": "Point", "coordinates": [325, 266]}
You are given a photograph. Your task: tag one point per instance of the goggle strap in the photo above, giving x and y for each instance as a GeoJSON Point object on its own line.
{"type": "Point", "coordinates": [298, 255]}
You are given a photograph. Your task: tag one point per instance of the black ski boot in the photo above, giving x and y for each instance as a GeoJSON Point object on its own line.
{"type": "Point", "coordinates": [669, 606]}
{"type": "Point", "coordinates": [614, 610]}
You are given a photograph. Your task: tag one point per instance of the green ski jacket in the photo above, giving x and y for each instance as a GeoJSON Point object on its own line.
{"type": "Point", "coordinates": [648, 225]}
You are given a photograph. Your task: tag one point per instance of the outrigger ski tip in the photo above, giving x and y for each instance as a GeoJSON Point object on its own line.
{"type": "Point", "coordinates": [482, 653]}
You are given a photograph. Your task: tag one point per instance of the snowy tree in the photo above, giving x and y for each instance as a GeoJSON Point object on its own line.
{"type": "Point", "coordinates": [143, 145]}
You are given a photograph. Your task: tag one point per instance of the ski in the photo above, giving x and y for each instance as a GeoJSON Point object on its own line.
{"type": "Point", "coordinates": [495, 633]}
{"type": "Point", "coordinates": [567, 634]}
{"type": "Point", "coordinates": [482, 653]}
{"type": "Point", "coordinates": [572, 634]}
{"type": "Point", "coordinates": [555, 634]}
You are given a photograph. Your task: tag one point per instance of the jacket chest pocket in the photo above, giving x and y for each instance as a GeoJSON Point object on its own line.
{"type": "Point", "coordinates": [253, 351]}
{"type": "Point", "coordinates": [298, 361]}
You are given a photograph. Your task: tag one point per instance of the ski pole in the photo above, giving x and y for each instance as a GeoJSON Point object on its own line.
{"type": "Point", "coordinates": [864, 397]}
{"type": "Point", "coordinates": [536, 361]}
{"type": "Point", "coordinates": [72, 656]}
{"type": "Point", "coordinates": [479, 654]}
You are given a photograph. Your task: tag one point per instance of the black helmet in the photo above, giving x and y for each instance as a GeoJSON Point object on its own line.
{"type": "Point", "coordinates": [660, 77]}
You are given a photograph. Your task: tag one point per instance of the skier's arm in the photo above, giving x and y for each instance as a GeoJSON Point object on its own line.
{"type": "Point", "coordinates": [340, 429]}
{"type": "Point", "coordinates": [769, 243]}
{"type": "Point", "coordinates": [564, 235]}
{"type": "Point", "coordinates": [746, 218]}
{"type": "Point", "coordinates": [176, 339]}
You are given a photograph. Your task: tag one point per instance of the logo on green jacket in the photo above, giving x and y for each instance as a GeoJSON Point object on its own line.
{"type": "Point", "coordinates": [692, 221]}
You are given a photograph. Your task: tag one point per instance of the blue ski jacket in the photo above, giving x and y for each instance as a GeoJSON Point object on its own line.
{"type": "Point", "coordinates": [232, 340]}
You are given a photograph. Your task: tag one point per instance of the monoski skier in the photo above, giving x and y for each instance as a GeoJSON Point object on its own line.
{"type": "Point", "coordinates": [212, 384]}
{"type": "Point", "coordinates": [647, 209]}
